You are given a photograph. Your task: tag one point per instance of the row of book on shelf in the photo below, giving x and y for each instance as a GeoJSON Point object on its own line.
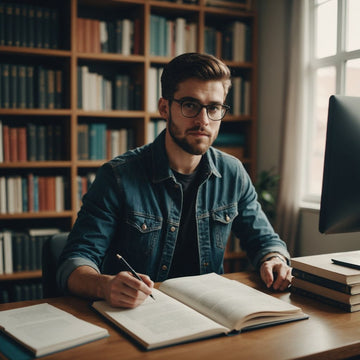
{"type": "Point", "coordinates": [22, 250]}
{"type": "Point", "coordinates": [28, 25]}
{"type": "Point", "coordinates": [97, 142]}
{"type": "Point", "coordinates": [121, 36]}
{"type": "Point", "coordinates": [114, 92]}
{"type": "Point", "coordinates": [33, 193]}
{"type": "Point", "coordinates": [171, 37]}
{"type": "Point", "coordinates": [31, 142]}
{"type": "Point", "coordinates": [39, 142]}
{"type": "Point", "coordinates": [232, 43]}
{"type": "Point", "coordinates": [21, 291]}
{"type": "Point", "coordinates": [318, 277]}
{"type": "Point", "coordinates": [28, 86]}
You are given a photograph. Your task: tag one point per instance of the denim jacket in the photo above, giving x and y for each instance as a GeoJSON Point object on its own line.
{"type": "Point", "coordinates": [134, 206]}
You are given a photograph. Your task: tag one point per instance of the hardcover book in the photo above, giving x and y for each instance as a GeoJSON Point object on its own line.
{"type": "Point", "coordinates": [44, 329]}
{"type": "Point", "coordinates": [196, 307]}
{"type": "Point", "coordinates": [322, 265]}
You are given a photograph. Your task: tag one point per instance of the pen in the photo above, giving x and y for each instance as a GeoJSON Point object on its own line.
{"type": "Point", "coordinates": [131, 270]}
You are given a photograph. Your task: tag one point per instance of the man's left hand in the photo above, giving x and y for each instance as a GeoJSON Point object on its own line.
{"type": "Point", "coordinates": [276, 273]}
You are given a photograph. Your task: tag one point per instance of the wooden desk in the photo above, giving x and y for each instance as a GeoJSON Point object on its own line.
{"type": "Point", "coordinates": [329, 334]}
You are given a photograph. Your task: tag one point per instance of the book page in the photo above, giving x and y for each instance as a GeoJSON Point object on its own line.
{"type": "Point", "coordinates": [44, 328]}
{"type": "Point", "coordinates": [161, 321]}
{"type": "Point", "coordinates": [227, 302]}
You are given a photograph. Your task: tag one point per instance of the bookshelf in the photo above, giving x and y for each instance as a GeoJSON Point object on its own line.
{"type": "Point", "coordinates": [72, 64]}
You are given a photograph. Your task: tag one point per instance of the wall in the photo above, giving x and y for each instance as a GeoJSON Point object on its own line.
{"type": "Point", "coordinates": [271, 81]}
{"type": "Point", "coordinates": [273, 29]}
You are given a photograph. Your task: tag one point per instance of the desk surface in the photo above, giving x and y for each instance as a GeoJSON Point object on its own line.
{"type": "Point", "coordinates": [329, 333]}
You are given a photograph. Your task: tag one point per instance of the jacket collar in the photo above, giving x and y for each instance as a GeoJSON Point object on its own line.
{"type": "Point", "coordinates": [161, 170]}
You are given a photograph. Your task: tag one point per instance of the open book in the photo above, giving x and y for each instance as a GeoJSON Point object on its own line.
{"type": "Point", "coordinates": [44, 329]}
{"type": "Point", "coordinates": [195, 307]}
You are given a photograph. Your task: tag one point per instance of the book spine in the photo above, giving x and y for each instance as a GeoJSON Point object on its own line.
{"type": "Point", "coordinates": [39, 27]}
{"type": "Point", "coordinates": [46, 29]}
{"type": "Point", "coordinates": [22, 146]}
{"type": "Point", "coordinates": [58, 89]}
{"type": "Point", "coordinates": [5, 86]}
{"type": "Point", "coordinates": [30, 189]}
{"type": "Point", "coordinates": [9, 26]}
{"type": "Point", "coordinates": [8, 262]}
{"type": "Point", "coordinates": [41, 143]}
{"type": "Point", "coordinates": [31, 142]}
{"type": "Point", "coordinates": [50, 140]}
{"type": "Point", "coordinates": [50, 86]}
{"type": "Point", "coordinates": [21, 87]}
{"type": "Point", "coordinates": [58, 141]}
{"type": "Point", "coordinates": [25, 198]}
{"type": "Point", "coordinates": [92, 142]}
{"type": "Point", "coordinates": [13, 144]}
{"type": "Point", "coordinates": [41, 87]}
{"type": "Point", "coordinates": [54, 28]}
{"type": "Point", "coordinates": [36, 193]}
{"type": "Point", "coordinates": [31, 27]}
{"type": "Point", "coordinates": [30, 87]}
{"type": "Point", "coordinates": [13, 86]}
{"type": "Point", "coordinates": [323, 299]}
{"type": "Point", "coordinates": [6, 143]}
{"type": "Point", "coordinates": [17, 253]}
{"type": "Point", "coordinates": [23, 25]}
{"type": "Point", "coordinates": [321, 281]}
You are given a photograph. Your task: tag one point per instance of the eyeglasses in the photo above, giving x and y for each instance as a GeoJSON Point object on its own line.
{"type": "Point", "coordinates": [190, 109]}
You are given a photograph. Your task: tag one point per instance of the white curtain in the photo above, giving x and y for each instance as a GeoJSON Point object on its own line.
{"type": "Point", "coordinates": [289, 189]}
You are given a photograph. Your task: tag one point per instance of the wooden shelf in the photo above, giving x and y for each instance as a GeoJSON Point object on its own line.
{"type": "Point", "coordinates": [32, 52]}
{"type": "Point", "coordinates": [23, 275]}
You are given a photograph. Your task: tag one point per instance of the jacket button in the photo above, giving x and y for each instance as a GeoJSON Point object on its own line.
{"type": "Point", "coordinates": [173, 228]}
{"type": "Point", "coordinates": [143, 226]}
{"type": "Point", "coordinates": [206, 264]}
{"type": "Point", "coordinates": [164, 267]}
{"type": "Point", "coordinates": [227, 218]}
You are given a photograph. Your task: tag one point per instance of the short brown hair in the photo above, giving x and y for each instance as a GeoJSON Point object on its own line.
{"type": "Point", "coordinates": [193, 65]}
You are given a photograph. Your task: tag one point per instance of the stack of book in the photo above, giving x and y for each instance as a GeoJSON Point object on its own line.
{"type": "Point", "coordinates": [320, 278]}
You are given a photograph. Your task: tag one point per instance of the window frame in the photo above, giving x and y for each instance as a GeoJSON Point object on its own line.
{"type": "Point", "coordinates": [313, 64]}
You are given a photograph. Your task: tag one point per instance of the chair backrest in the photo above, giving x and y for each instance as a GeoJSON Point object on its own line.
{"type": "Point", "coordinates": [51, 251]}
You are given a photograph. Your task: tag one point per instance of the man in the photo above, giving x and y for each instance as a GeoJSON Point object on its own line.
{"type": "Point", "coordinates": [168, 207]}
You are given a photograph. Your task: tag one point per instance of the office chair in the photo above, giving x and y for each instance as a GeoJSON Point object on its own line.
{"type": "Point", "coordinates": [51, 251]}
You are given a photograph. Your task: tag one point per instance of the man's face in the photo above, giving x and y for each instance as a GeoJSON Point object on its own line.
{"type": "Point", "coordinates": [195, 135]}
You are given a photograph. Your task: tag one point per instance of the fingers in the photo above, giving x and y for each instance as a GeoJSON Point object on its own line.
{"type": "Point", "coordinates": [276, 273]}
{"type": "Point", "coordinates": [283, 277]}
{"type": "Point", "coordinates": [124, 290]}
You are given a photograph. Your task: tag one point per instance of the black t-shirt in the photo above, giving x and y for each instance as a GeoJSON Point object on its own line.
{"type": "Point", "coordinates": [186, 257]}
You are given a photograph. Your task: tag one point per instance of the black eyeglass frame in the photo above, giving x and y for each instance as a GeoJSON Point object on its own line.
{"type": "Point", "coordinates": [201, 106]}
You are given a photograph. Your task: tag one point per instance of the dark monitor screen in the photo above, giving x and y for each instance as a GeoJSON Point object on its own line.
{"type": "Point", "coordinates": [340, 198]}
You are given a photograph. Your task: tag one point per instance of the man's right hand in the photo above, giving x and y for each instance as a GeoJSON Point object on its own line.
{"type": "Point", "coordinates": [121, 290]}
{"type": "Point", "coordinates": [124, 290]}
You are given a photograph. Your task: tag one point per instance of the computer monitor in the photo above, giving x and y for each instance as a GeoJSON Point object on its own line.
{"type": "Point", "coordinates": [340, 198]}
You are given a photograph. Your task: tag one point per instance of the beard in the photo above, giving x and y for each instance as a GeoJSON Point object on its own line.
{"type": "Point", "coordinates": [198, 147]}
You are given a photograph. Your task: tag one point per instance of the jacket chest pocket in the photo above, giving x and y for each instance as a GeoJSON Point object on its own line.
{"type": "Point", "coordinates": [221, 222]}
{"type": "Point", "coordinates": [143, 232]}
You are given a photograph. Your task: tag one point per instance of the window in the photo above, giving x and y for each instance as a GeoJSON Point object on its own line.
{"type": "Point", "coordinates": [334, 68]}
